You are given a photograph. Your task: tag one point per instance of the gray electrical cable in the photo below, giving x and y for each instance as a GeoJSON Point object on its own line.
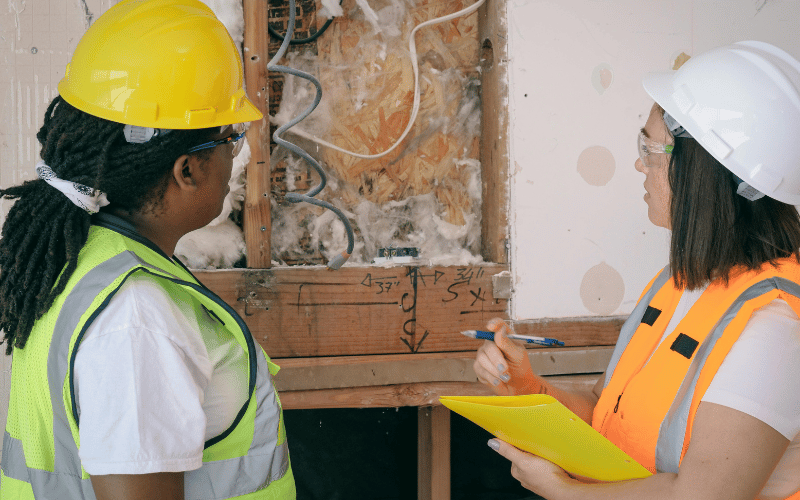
{"type": "Point", "coordinates": [308, 197]}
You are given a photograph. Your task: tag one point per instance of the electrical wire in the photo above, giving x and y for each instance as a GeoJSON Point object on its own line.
{"type": "Point", "coordinates": [412, 49]}
{"type": "Point", "coordinates": [308, 197]}
{"type": "Point", "coordinates": [299, 41]}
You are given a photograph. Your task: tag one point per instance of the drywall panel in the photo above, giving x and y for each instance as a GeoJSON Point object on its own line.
{"type": "Point", "coordinates": [581, 243]}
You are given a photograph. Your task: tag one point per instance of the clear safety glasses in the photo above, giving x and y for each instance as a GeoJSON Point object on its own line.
{"type": "Point", "coordinates": [648, 147]}
{"type": "Point", "coordinates": [235, 139]}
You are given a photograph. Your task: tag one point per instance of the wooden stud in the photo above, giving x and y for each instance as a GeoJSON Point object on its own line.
{"type": "Point", "coordinates": [433, 453]}
{"type": "Point", "coordinates": [494, 136]}
{"type": "Point", "coordinates": [256, 214]}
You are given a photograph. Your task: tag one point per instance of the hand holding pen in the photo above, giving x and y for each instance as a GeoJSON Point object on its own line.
{"type": "Point", "coordinates": [504, 365]}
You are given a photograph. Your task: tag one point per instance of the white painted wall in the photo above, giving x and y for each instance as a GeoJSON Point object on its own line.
{"type": "Point", "coordinates": [581, 241]}
{"type": "Point", "coordinates": [37, 38]}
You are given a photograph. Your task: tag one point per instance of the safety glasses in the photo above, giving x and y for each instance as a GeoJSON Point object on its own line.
{"type": "Point", "coordinates": [648, 147]}
{"type": "Point", "coordinates": [234, 138]}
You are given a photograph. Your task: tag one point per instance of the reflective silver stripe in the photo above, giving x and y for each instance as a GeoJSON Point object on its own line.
{"type": "Point", "coordinates": [45, 484]}
{"type": "Point", "coordinates": [634, 320]}
{"type": "Point", "coordinates": [75, 305]}
{"type": "Point", "coordinates": [672, 432]}
{"type": "Point", "coordinates": [13, 462]}
{"type": "Point", "coordinates": [264, 462]}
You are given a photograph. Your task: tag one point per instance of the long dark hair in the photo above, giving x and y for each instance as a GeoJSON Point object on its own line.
{"type": "Point", "coordinates": [44, 231]}
{"type": "Point", "coordinates": [715, 230]}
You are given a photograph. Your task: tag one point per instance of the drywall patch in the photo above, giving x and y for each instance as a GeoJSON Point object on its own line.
{"type": "Point", "coordinates": [678, 60]}
{"type": "Point", "coordinates": [602, 289]}
{"type": "Point", "coordinates": [602, 77]}
{"type": "Point", "coordinates": [596, 165]}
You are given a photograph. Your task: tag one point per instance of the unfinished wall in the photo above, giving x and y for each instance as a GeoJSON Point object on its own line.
{"type": "Point", "coordinates": [581, 241]}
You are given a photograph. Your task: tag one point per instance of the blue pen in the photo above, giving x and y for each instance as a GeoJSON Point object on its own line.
{"type": "Point", "coordinates": [478, 334]}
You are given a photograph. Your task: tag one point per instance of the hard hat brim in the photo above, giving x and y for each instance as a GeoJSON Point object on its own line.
{"type": "Point", "coordinates": [659, 87]}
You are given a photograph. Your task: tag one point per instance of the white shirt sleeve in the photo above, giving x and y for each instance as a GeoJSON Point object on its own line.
{"type": "Point", "coordinates": [761, 374]}
{"type": "Point", "coordinates": [140, 376]}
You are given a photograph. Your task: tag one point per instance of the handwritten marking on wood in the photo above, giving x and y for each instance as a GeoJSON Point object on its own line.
{"type": "Point", "coordinates": [309, 311]}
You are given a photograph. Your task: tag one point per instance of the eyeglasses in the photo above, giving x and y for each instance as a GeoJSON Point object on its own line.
{"type": "Point", "coordinates": [234, 139]}
{"type": "Point", "coordinates": [649, 147]}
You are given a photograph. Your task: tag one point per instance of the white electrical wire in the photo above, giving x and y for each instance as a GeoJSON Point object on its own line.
{"type": "Point", "coordinates": [412, 48]}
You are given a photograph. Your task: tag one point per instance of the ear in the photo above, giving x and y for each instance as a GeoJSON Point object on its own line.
{"type": "Point", "coordinates": [185, 172]}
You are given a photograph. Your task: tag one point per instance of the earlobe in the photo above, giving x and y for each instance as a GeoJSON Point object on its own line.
{"type": "Point", "coordinates": [183, 172]}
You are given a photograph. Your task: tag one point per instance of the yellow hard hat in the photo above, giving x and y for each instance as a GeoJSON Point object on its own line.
{"type": "Point", "coordinates": [168, 64]}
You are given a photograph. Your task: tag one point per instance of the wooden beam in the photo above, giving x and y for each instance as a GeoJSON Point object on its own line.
{"type": "Point", "coordinates": [494, 136]}
{"type": "Point", "coordinates": [598, 330]}
{"type": "Point", "coordinates": [393, 396]}
{"type": "Point", "coordinates": [256, 214]}
{"type": "Point", "coordinates": [433, 453]}
{"type": "Point", "coordinates": [352, 371]}
{"type": "Point", "coordinates": [310, 312]}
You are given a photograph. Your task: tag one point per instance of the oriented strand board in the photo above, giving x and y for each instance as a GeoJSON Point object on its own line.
{"type": "Point", "coordinates": [369, 80]}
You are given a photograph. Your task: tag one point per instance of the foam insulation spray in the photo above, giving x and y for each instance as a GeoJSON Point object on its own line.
{"type": "Point", "coordinates": [308, 197]}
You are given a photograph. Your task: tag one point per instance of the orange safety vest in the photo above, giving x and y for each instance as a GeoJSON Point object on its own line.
{"type": "Point", "coordinates": [647, 407]}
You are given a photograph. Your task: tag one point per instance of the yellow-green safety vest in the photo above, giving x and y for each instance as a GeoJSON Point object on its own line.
{"type": "Point", "coordinates": [249, 460]}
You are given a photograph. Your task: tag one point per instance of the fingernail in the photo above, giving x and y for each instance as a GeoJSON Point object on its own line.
{"type": "Point", "coordinates": [505, 377]}
{"type": "Point", "coordinates": [501, 367]}
{"type": "Point", "coordinates": [494, 444]}
{"type": "Point", "coordinates": [495, 382]}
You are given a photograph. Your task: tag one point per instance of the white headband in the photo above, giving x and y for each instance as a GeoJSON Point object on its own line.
{"type": "Point", "coordinates": [82, 196]}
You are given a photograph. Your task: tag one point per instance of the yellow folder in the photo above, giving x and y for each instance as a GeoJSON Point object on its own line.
{"type": "Point", "coordinates": [541, 425]}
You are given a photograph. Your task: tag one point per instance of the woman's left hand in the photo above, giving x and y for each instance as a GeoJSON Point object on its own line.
{"type": "Point", "coordinates": [534, 473]}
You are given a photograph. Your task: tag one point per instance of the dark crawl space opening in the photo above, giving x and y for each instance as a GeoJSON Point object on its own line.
{"type": "Point", "coordinates": [371, 454]}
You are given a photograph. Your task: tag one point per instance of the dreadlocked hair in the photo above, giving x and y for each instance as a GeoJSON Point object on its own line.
{"type": "Point", "coordinates": [44, 232]}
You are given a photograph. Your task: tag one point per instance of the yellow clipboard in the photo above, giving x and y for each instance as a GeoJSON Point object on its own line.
{"type": "Point", "coordinates": [539, 424]}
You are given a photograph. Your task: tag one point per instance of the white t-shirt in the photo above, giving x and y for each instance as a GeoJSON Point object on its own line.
{"type": "Point", "coordinates": [155, 377]}
{"type": "Point", "coordinates": [760, 376]}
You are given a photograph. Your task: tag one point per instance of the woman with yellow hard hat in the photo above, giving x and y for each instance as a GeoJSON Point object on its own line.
{"type": "Point", "coordinates": [703, 388]}
{"type": "Point", "coordinates": [131, 379]}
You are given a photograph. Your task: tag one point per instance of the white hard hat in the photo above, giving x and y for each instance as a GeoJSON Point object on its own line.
{"type": "Point", "coordinates": [741, 102]}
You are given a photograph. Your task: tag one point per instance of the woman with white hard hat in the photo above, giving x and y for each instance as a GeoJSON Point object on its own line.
{"type": "Point", "coordinates": [130, 379]}
{"type": "Point", "coordinates": [703, 388]}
